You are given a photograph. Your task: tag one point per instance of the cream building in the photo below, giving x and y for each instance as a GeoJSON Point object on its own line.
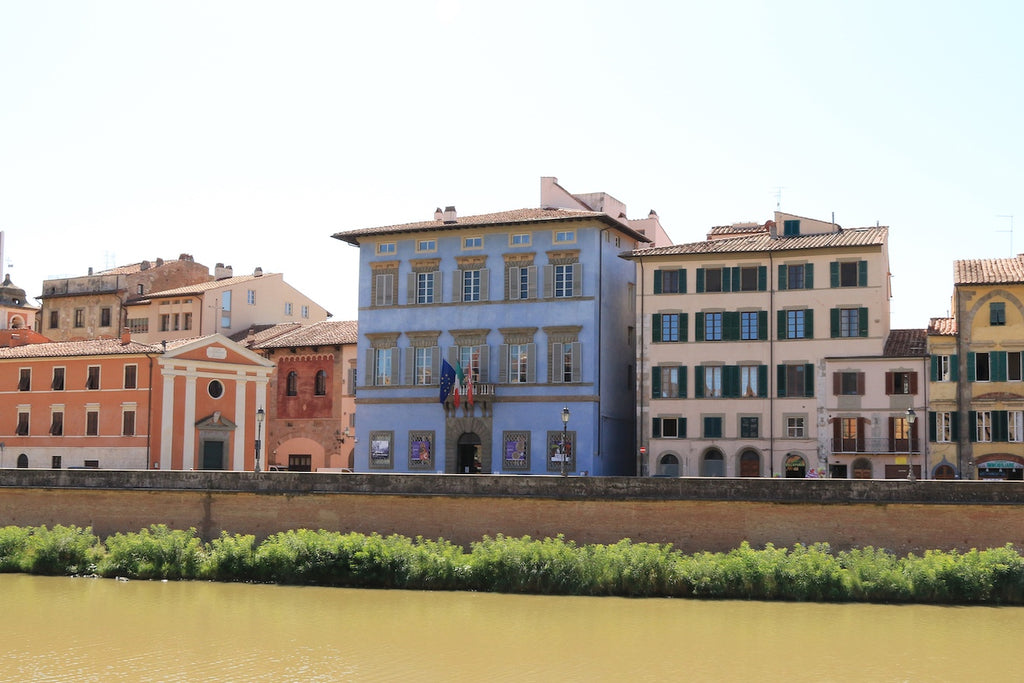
{"type": "Point", "coordinates": [734, 333]}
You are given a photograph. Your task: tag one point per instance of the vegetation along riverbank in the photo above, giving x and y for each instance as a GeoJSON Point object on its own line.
{"type": "Point", "coordinates": [523, 565]}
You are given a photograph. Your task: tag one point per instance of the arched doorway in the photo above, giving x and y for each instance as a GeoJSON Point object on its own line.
{"type": "Point", "coordinates": [668, 466]}
{"type": "Point", "coordinates": [944, 471]}
{"type": "Point", "coordinates": [23, 460]}
{"type": "Point", "coordinates": [750, 463]}
{"type": "Point", "coordinates": [862, 469]}
{"type": "Point", "coordinates": [468, 454]}
{"type": "Point", "coordinates": [796, 466]}
{"type": "Point", "coordinates": [713, 464]}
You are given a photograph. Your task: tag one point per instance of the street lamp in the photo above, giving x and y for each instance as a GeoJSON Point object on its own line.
{"type": "Point", "coordinates": [911, 417]}
{"type": "Point", "coordinates": [260, 416]}
{"type": "Point", "coordinates": [565, 425]}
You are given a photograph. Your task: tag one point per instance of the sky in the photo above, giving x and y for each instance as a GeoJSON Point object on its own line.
{"type": "Point", "coordinates": [247, 133]}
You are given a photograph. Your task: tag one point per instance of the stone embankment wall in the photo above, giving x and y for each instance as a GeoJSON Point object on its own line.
{"type": "Point", "coordinates": [690, 513]}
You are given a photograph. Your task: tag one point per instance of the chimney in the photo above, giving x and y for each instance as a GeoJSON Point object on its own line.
{"type": "Point", "coordinates": [773, 230]}
{"type": "Point", "coordinates": [159, 262]}
{"type": "Point", "coordinates": [90, 270]}
{"type": "Point", "coordinates": [144, 265]}
{"type": "Point", "coordinates": [258, 272]}
{"type": "Point", "coordinates": [221, 272]}
{"type": "Point", "coordinates": [449, 214]}
{"type": "Point", "coordinates": [126, 337]}
{"type": "Point", "coordinates": [437, 214]}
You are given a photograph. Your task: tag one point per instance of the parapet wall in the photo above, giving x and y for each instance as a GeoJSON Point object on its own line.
{"type": "Point", "coordinates": [691, 513]}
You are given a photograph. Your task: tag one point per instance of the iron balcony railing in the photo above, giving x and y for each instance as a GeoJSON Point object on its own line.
{"type": "Point", "coordinates": [876, 446]}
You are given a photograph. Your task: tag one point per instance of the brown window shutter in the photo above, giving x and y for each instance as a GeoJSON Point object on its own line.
{"type": "Point", "coordinates": [888, 383]}
{"type": "Point", "coordinates": [836, 383]}
{"type": "Point", "coordinates": [913, 383]}
{"type": "Point", "coordinates": [860, 383]}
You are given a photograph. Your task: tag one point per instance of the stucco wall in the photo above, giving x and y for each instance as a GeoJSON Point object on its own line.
{"type": "Point", "coordinates": [693, 514]}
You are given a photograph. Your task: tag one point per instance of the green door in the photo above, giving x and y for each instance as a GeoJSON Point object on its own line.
{"type": "Point", "coordinates": [213, 455]}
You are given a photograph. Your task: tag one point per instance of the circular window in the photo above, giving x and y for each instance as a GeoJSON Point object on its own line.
{"type": "Point", "coordinates": [216, 388]}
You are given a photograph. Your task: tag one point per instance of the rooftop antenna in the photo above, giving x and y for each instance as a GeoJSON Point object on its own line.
{"type": "Point", "coordinates": [1010, 216]}
{"type": "Point", "coordinates": [778, 197]}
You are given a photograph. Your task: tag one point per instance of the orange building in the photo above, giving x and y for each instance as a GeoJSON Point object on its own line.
{"type": "Point", "coordinates": [119, 404]}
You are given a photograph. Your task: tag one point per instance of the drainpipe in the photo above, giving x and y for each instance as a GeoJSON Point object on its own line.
{"type": "Point", "coordinates": [149, 418]}
{"type": "Point", "coordinates": [772, 317]}
{"type": "Point", "coordinates": [640, 372]}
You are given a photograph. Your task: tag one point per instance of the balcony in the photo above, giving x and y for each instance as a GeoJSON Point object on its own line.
{"type": "Point", "coordinates": [876, 446]}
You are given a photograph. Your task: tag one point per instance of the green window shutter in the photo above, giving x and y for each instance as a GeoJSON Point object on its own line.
{"type": "Point", "coordinates": [684, 332]}
{"type": "Point", "coordinates": [781, 383]}
{"type": "Point", "coordinates": [809, 276]}
{"type": "Point", "coordinates": [781, 328]}
{"type": "Point", "coordinates": [762, 381]}
{"type": "Point", "coordinates": [862, 273]}
{"type": "Point", "coordinates": [656, 327]}
{"type": "Point", "coordinates": [809, 323]}
{"type": "Point", "coordinates": [970, 366]}
{"type": "Point", "coordinates": [682, 428]}
{"type": "Point", "coordinates": [762, 325]}
{"type": "Point", "coordinates": [932, 431]}
{"type": "Point", "coordinates": [730, 326]}
{"type": "Point", "coordinates": [762, 278]}
{"type": "Point", "coordinates": [731, 381]}
{"type": "Point", "coordinates": [698, 381]}
{"type": "Point", "coordinates": [656, 428]}
{"type": "Point", "coordinates": [833, 273]}
{"type": "Point", "coordinates": [682, 381]}
{"type": "Point", "coordinates": [998, 366]}
{"type": "Point", "coordinates": [682, 280]}
{"type": "Point", "coordinates": [935, 372]}
{"type": "Point", "coordinates": [954, 368]}
{"type": "Point", "coordinates": [783, 274]}
{"type": "Point", "coordinates": [972, 425]}
{"type": "Point", "coordinates": [862, 322]}
{"type": "Point", "coordinates": [657, 282]}
{"type": "Point", "coordinates": [700, 280]}
{"type": "Point", "coordinates": [656, 382]}
{"type": "Point", "coordinates": [698, 327]}
{"type": "Point", "coordinates": [1000, 431]}
{"type": "Point", "coordinates": [809, 380]}
{"type": "Point", "coordinates": [954, 432]}
{"type": "Point", "coordinates": [834, 321]}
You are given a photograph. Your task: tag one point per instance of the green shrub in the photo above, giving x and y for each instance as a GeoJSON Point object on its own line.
{"type": "Point", "coordinates": [632, 569]}
{"type": "Point", "coordinates": [874, 574]}
{"type": "Point", "coordinates": [13, 540]}
{"type": "Point", "coordinates": [153, 553]}
{"type": "Point", "coordinates": [61, 550]}
{"type": "Point", "coordinates": [230, 558]}
{"type": "Point", "coordinates": [523, 565]}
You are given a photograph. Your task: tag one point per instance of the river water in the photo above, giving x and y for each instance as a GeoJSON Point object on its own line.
{"type": "Point", "coordinates": [63, 629]}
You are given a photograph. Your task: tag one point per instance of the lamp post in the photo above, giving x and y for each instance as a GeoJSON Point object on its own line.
{"type": "Point", "coordinates": [911, 417]}
{"type": "Point", "coordinates": [565, 425]}
{"type": "Point", "coordinates": [260, 416]}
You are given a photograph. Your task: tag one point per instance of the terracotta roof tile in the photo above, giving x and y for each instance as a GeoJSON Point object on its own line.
{"type": "Point", "coordinates": [904, 343]}
{"type": "Point", "coordinates": [91, 347]}
{"type": "Point", "coordinates": [989, 271]}
{"type": "Point", "coordinates": [517, 216]}
{"type": "Point", "coordinates": [943, 327]}
{"type": "Point", "coordinates": [324, 333]}
{"type": "Point", "coordinates": [200, 287]}
{"type": "Point", "coordinates": [760, 242]}
{"type": "Point", "coordinates": [135, 267]}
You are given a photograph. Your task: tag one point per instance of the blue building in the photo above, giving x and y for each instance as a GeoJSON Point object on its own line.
{"type": "Point", "coordinates": [533, 308]}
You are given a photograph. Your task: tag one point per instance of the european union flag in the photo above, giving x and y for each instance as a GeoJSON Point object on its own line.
{"type": "Point", "coordinates": [447, 379]}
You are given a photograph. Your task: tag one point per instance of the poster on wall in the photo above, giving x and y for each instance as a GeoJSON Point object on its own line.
{"type": "Point", "coordinates": [380, 449]}
{"type": "Point", "coordinates": [420, 452]}
{"type": "Point", "coordinates": [515, 451]}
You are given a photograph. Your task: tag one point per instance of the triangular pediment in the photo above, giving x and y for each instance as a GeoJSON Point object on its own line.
{"type": "Point", "coordinates": [216, 420]}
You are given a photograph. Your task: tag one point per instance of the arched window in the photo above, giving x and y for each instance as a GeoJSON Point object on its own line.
{"type": "Point", "coordinates": [796, 466]}
{"type": "Point", "coordinates": [293, 383]}
{"type": "Point", "coordinates": [713, 464]}
{"type": "Point", "coordinates": [750, 463]}
{"type": "Point", "coordinates": [668, 466]}
{"type": "Point", "coordinates": [944, 472]}
{"type": "Point", "coordinates": [321, 383]}
{"type": "Point", "coordinates": [23, 460]}
{"type": "Point", "coordinates": [862, 468]}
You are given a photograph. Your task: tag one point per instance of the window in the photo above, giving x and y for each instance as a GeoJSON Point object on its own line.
{"type": "Point", "coordinates": [382, 374]}
{"type": "Point", "coordinates": [983, 426]}
{"type": "Point", "coordinates": [250, 297]}
{"type": "Point", "coordinates": [305, 311]}
{"type": "Point", "coordinates": [518, 363]}
{"type": "Point", "coordinates": [564, 280]}
{"type": "Point", "coordinates": [385, 247]}
{"type": "Point", "coordinates": [140, 289]}
{"type": "Point", "coordinates": [849, 322]}
{"type": "Point", "coordinates": [177, 321]}
{"type": "Point", "coordinates": [997, 313]}
{"type": "Point", "coordinates": [1015, 426]}
{"type": "Point", "coordinates": [426, 245]}
{"type": "Point", "coordinates": [79, 317]}
{"type": "Point", "coordinates": [130, 376]}
{"type": "Point", "coordinates": [900, 382]}
{"type": "Point", "coordinates": [668, 428]}
{"type": "Point", "coordinates": [22, 428]}
{"type": "Point", "coordinates": [55, 462]}
{"type": "Point", "coordinates": [669, 327]}
{"type": "Point", "coordinates": [92, 379]}
{"type": "Point", "coordinates": [292, 384]}
{"type": "Point", "coordinates": [25, 379]}
{"type": "Point", "coordinates": [668, 381]}
{"type": "Point", "coordinates": [165, 322]}
{"type": "Point", "coordinates": [563, 236]}
{"type": "Point", "coordinates": [796, 276]}
{"type": "Point", "coordinates": [982, 367]}
{"type": "Point", "coordinates": [849, 273]}
{"type": "Point", "coordinates": [92, 422]}
{"type": "Point", "coordinates": [944, 427]}
{"type": "Point", "coordinates": [749, 325]}
{"type": "Point", "coordinates": [57, 383]}
{"type": "Point", "coordinates": [796, 324]}
{"type": "Point", "coordinates": [712, 427]}
{"type": "Point", "coordinates": [713, 326]}
{"type": "Point", "coordinates": [128, 423]}
{"type": "Point", "coordinates": [1013, 366]}
{"type": "Point", "coordinates": [474, 242]}
{"type": "Point", "coordinates": [521, 239]}
{"type": "Point", "coordinates": [187, 325]}
{"type": "Point", "coordinates": [712, 381]}
{"type": "Point", "coordinates": [105, 316]}
{"type": "Point", "coordinates": [320, 383]}
{"type": "Point", "coordinates": [57, 423]}
{"type": "Point", "coordinates": [215, 388]}
{"type": "Point", "coordinates": [795, 427]}
{"type": "Point", "coordinates": [423, 365]}
{"type": "Point", "coordinates": [425, 288]}
{"type": "Point", "coordinates": [750, 386]}
{"type": "Point", "coordinates": [796, 380]}
{"type": "Point", "coordinates": [749, 427]}
{"type": "Point", "coordinates": [712, 280]}
{"type": "Point", "coordinates": [942, 368]}
{"type": "Point", "coordinates": [54, 319]}
{"type": "Point", "coordinates": [384, 284]}
{"type": "Point", "coordinates": [471, 285]}
{"type": "Point", "coordinates": [225, 309]}
{"type": "Point", "coordinates": [288, 308]}
{"type": "Point", "coordinates": [848, 383]}
{"type": "Point", "coordinates": [790, 228]}
{"type": "Point", "coordinates": [670, 281]}
{"type": "Point", "coordinates": [748, 279]}
{"type": "Point", "coordinates": [136, 325]}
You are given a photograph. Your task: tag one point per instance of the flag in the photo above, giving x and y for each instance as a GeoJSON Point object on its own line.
{"type": "Point", "coordinates": [456, 399]}
{"type": "Point", "coordinates": [459, 373]}
{"type": "Point", "coordinates": [447, 380]}
{"type": "Point", "coordinates": [469, 389]}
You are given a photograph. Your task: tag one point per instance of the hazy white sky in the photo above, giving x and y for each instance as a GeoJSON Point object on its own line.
{"type": "Point", "coordinates": [249, 132]}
